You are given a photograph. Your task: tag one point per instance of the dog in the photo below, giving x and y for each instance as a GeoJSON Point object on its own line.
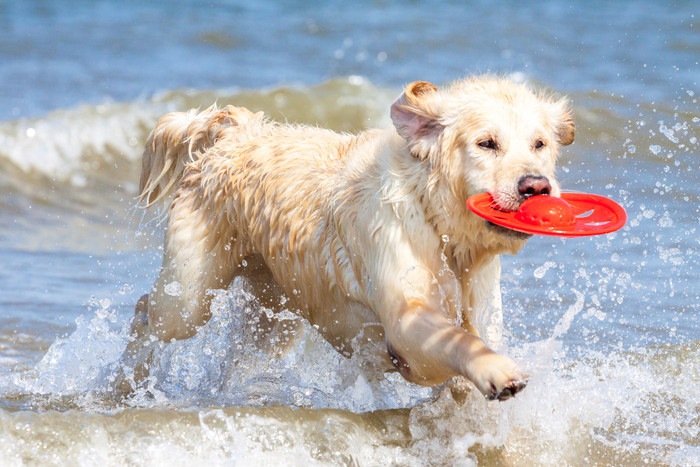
{"type": "Point", "coordinates": [361, 231]}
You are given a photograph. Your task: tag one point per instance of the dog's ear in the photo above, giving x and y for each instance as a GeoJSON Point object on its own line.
{"type": "Point", "coordinates": [415, 116]}
{"type": "Point", "coordinates": [563, 121]}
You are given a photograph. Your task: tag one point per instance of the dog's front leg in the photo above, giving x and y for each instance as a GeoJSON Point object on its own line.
{"type": "Point", "coordinates": [428, 349]}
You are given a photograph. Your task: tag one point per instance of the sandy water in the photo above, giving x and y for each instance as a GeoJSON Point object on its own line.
{"type": "Point", "coordinates": [606, 327]}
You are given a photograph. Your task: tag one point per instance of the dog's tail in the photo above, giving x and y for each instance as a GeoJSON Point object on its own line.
{"type": "Point", "coordinates": [182, 137]}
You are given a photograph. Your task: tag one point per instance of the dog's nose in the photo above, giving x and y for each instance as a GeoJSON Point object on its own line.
{"type": "Point", "coordinates": [533, 185]}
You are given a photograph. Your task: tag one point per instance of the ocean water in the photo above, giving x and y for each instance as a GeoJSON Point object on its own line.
{"type": "Point", "coordinates": [607, 327]}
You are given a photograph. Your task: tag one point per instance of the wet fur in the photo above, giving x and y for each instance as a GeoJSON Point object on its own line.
{"type": "Point", "coordinates": [365, 232]}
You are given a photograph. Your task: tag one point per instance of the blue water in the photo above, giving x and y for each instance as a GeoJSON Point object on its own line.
{"type": "Point", "coordinates": [607, 326]}
{"type": "Point", "coordinates": [62, 53]}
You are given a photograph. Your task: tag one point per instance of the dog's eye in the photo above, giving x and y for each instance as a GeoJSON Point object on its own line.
{"type": "Point", "coordinates": [539, 144]}
{"type": "Point", "coordinates": [488, 144]}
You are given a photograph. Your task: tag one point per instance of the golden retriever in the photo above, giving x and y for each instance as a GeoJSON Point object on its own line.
{"type": "Point", "coordinates": [362, 231]}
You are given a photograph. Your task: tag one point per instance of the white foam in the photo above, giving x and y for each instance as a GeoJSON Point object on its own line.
{"type": "Point", "coordinates": [226, 361]}
{"type": "Point", "coordinates": [229, 360]}
{"type": "Point", "coordinates": [637, 406]}
{"type": "Point", "coordinates": [76, 364]}
{"type": "Point", "coordinates": [67, 144]}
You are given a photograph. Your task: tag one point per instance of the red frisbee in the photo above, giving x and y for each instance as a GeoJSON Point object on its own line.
{"type": "Point", "coordinates": [572, 215]}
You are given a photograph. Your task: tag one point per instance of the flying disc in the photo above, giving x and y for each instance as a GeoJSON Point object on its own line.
{"type": "Point", "coordinates": [572, 215]}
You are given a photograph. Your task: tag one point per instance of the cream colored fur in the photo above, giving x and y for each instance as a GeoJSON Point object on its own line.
{"type": "Point", "coordinates": [367, 230]}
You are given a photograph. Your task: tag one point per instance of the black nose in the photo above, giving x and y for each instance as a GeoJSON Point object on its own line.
{"type": "Point", "coordinates": [533, 185]}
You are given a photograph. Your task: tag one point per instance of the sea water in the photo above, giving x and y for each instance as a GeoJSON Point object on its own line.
{"type": "Point", "coordinates": [606, 327]}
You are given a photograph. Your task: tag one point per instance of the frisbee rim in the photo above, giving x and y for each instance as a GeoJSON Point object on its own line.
{"type": "Point", "coordinates": [614, 215]}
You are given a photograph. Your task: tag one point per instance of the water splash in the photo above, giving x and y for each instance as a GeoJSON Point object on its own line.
{"type": "Point", "coordinates": [634, 406]}
{"type": "Point", "coordinates": [244, 356]}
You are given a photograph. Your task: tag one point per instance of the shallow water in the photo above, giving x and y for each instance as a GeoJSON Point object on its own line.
{"type": "Point", "coordinates": [607, 327]}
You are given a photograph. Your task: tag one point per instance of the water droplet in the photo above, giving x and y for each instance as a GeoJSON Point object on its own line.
{"type": "Point", "coordinates": [542, 270]}
{"type": "Point", "coordinates": [174, 289]}
{"type": "Point", "coordinates": [631, 149]}
{"type": "Point", "coordinates": [655, 148]}
{"type": "Point", "coordinates": [668, 133]}
{"type": "Point", "coordinates": [445, 239]}
{"type": "Point", "coordinates": [665, 222]}
{"type": "Point", "coordinates": [356, 80]}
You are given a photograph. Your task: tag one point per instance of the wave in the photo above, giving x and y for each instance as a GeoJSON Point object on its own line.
{"type": "Point", "coordinates": [90, 146]}
{"type": "Point", "coordinates": [635, 407]}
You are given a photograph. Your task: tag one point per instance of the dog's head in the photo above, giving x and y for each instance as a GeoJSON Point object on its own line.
{"type": "Point", "coordinates": [486, 134]}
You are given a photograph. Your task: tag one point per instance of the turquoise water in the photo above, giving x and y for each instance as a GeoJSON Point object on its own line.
{"type": "Point", "coordinates": [607, 326]}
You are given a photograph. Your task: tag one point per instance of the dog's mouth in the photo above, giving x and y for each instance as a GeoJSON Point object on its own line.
{"type": "Point", "coordinates": [514, 234]}
{"type": "Point", "coordinates": [507, 203]}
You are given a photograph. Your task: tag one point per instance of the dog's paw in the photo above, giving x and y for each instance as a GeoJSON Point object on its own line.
{"type": "Point", "coordinates": [496, 376]}
{"type": "Point", "coordinates": [510, 390]}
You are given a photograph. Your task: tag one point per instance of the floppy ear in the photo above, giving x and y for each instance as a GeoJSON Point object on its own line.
{"type": "Point", "coordinates": [563, 122]}
{"type": "Point", "coordinates": [415, 116]}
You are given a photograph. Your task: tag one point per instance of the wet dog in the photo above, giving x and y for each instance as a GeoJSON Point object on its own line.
{"type": "Point", "coordinates": [366, 231]}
